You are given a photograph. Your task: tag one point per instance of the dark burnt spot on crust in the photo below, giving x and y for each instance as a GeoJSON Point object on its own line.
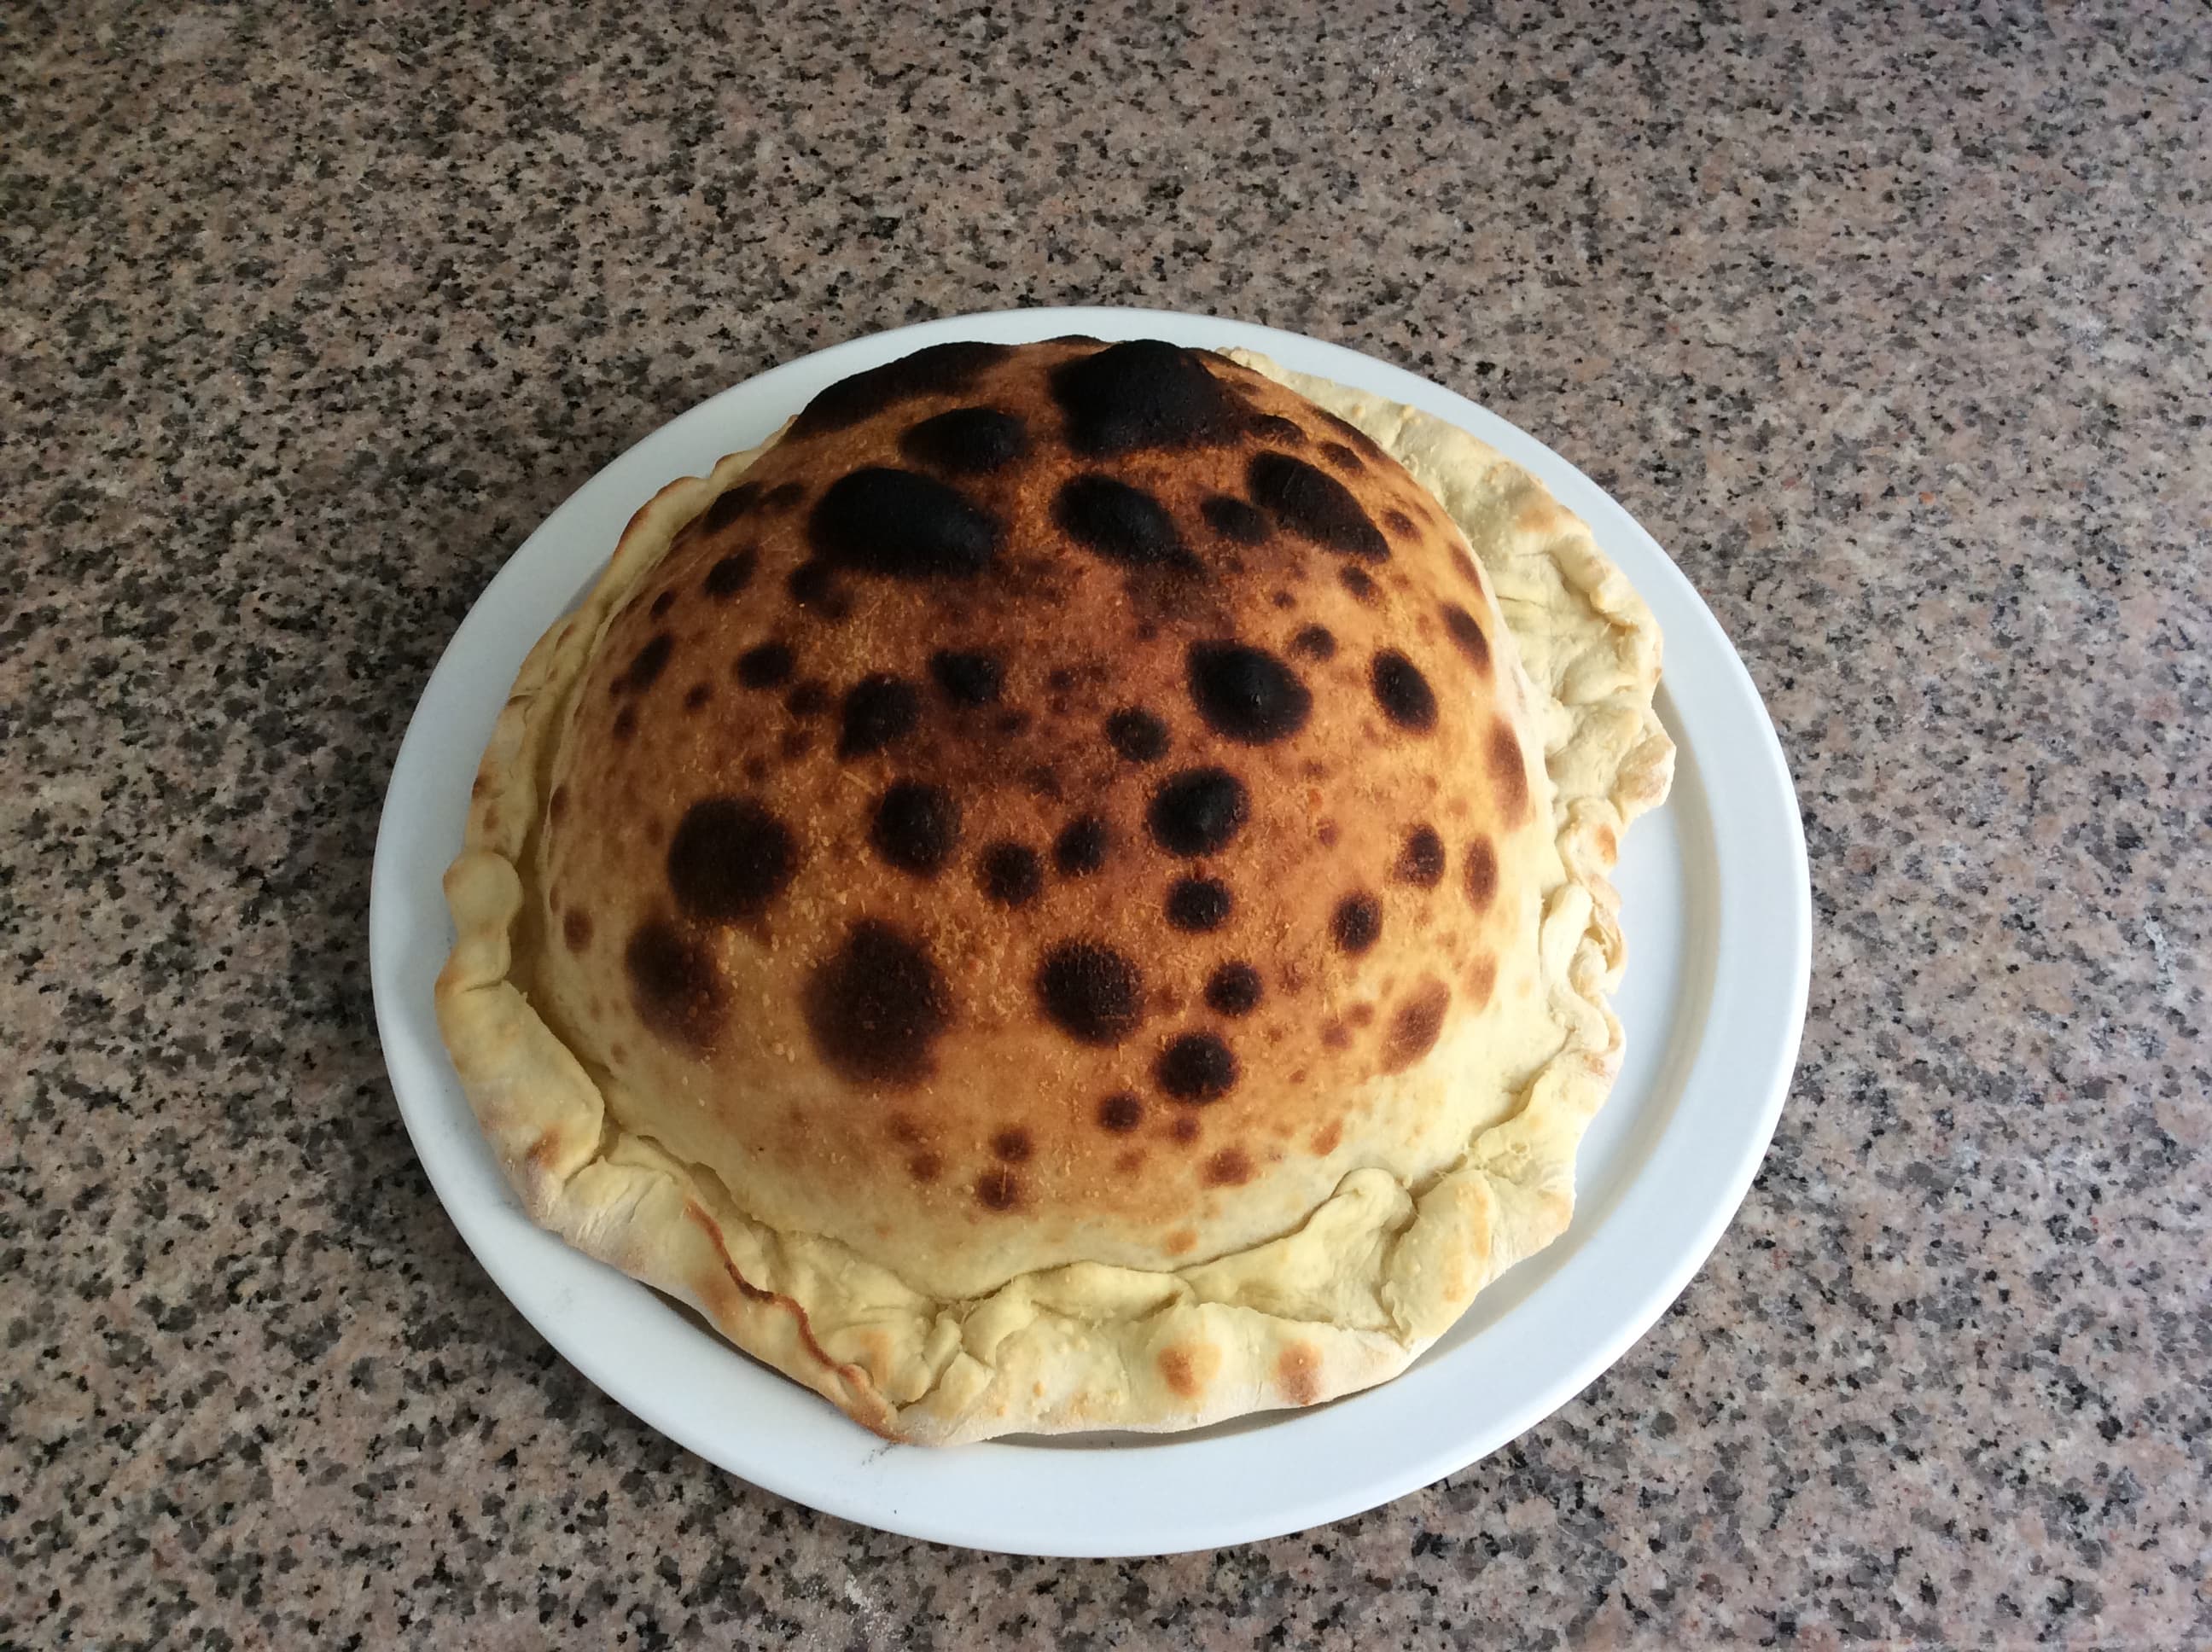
{"type": "Point", "coordinates": [1314, 505]}
{"type": "Point", "coordinates": [1043, 780]}
{"type": "Point", "coordinates": [696, 697]}
{"type": "Point", "coordinates": [1234, 519]}
{"type": "Point", "coordinates": [576, 929]}
{"type": "Point", "coordinates": [968, 677]}
{"type": "Point", "coordinates": [914, 827]}
{"type": "Point", "coordinates": [1353, 433]}
{"type": "Point", "coordinates": [807, 699]}
{"type": "Point", "coordinates": [1421, 860]}
{"type": "Point", "coordinates": [794, 744]}
{"type": "Point", "coordinates": [1230, 1168]}
{"type": "Point", "coordinates": [1137, 735]}
{"type": "Point", "coordinates": [1314, 642]}
{"type": "Point", "coordinates": [781, 497]}
{"type": "Point", "coordinates": [732, 574]}
{"type": "Point", "coordinates": [1415, 1025]}
{"type": "Point", "coordinates": [1198, 811]}
{"type": "Point", "coordinates": [1010, 874]}
{"type": "Point", "coordinates": [1121, 1113]}
{"type": "Point", "coordinates": [767, 666]}
{"type": "Point", "coordinates": [661, 604]}
{"type": "Point", "coordinates": [674, 986]}
{"type": "Point", "coordinates": [1273, 426]}
{"type": "Point", "coordinates": [1468, 636]}
{"type": "Point", "coordinates": [941, 370]}
{"type": "Point", "coordinates": [898, 525]}
{"type": "Point", "coordinates": [1357, 582]}
{"type": "Point", "coordinates": [1342, 457]}
{"type": "Point", "coordinates": [729, 506]}
{"type": "Point", "coordinates": [1198, 906]}
{"type": "Point", "coordinates": [1335, 1036]}
{"type": "Point", "coordinates": [1480, 874]}
{"type": "Point", "coordinates": [877, 1006]}
{"type": "Point", "coordinates": [1357, 922]}
{"type": "Point", "coordinates": [1120, 523]}
{"type": "Point", "coordinates": [1080, 849]}
{"type": "Point", "coordinates": [1246, 693]}
{"type": "Point", "coordinates": [1012, 1144]}
{"type": "Point", "coordinates": [813, 585]}
{"type": "Point", "coordinates": [1090, 992]}
{"type": "Point", "coordinates": [1184, 1127]}
{"type": "Point", "coordinates": [1402, 692]}
{"type": "Point", "coordinates": [925, 1166]}
{"type": "Point", "coordinates": [645, 666]}
{"type": "Point", "coordinates": [1142, 394]}
{"type": "Point", "coordinates": [967, 441]}
{"type": "Point", "coordinates": [729, 860]}
{"type": "Point", "coordinates": [1508, 776]}
{"type": "Point", "coordinates": [999, 1189]}
{"type": "Point", "coordinates": [557, 805]}
{"type": "Point", "coordinates": [625, 723]}
{"type": "Point", "coordinates": [1233, 989]}
{"type": "Point", "coordinates": [1196, 1067]}
{"type": "Point", "coordinates": [1400, 523]}
{"type": "Point", "coordinates": [877, 710]}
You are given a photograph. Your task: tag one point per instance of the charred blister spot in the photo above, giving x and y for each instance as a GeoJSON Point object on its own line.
{"type": "Point", "coordinates": [1402, 692]}
{"type": "Point", "coordinates": [807, 699]}
{"type": "Point", "coordinates": [1010, 874]}
{"type": "Point", "coordinates": [1091, 991]}
{"type": "Point", "coordinates": [967, 441]}
{"type": "Point", "coordinates": [877, 1006]}
{"type": "Point", "coordinates": [939, 370]}
{"type": "Point", "coordinates": [1120, 523]}
{"type": "Point", "coordinates": [925, 1167]}
{"type": "Point", "coordinates": [1314, 642]}
{"type": "Point", "coordinates": [1184, 1128]}
{"type": "Point", "coordinates": [1043, 780]}
{"type": "Point", "coordinates": [1121, 1113]}
{"type": "Point", "coordinates": [1081, 846]}
{"type": "Point", "coordinates": [732, 574]}
{"type": "Point", "coordinates": [1198, 905]}
{"type": "Point", "coordinates": [1230, 1168]}
{"type": "Point", "coordinates": [968, 677]}
{"type": "Point", "coordinates": [661, 604]}
{"type": "Point", "coordinates": [813, 586]}
{"type": "Point", "coordinates": [1357, 581]}
{"type": "Point", "coordinates": [999, 1189]}
{"type": "Point", "coordinates": [1353, 433]}
{"type": "Point", "coordinates": [1011, 1145]}
{"type": "Point", "coordinates": [1421, 860]}
{"type": "Point", "coordinates": [1196, 1067]}
{"type": "Point", "coordinates": [1233, 989]}
{"type": "Point", "coordinates": [1468, 636]}
{"type": "Point", "coordinates": [1415, 1025]}
{"type": "Point", "coordinates": [674, 986]}
{"type": "Point", "coordinates": [767, 666]}
{"type": "Point", "coordinates": [1480, 874]}
{"type": "Point", "coordinates": [1508, 777]}
{"type": "Point", "coordinates": [1357, 922]}
{"type": "Point", "coordinates": [898, 525]}
{"type": "Point", "coordinates": [1342, 457]}
{"type": "Point", "coordinates": [1234, 519]}
{"type": "Point", "coordinates": [1273, 426]}
{"type": "Point", "coordinates": [1400, 523]}
{"type": "Point", "coordinates": [729, 860]}
{"type": "Point", "coordinates": [915, 827]}
{"type": "Point", "coordinates": [645, 666]}
{"type": "Point", "coordinates": [730, 507]}
{"type": "Point", "coordinates": [1198, 811]}
{"type": "Point", "coordinates": [877, 710]}
{"type": "Point", "coordinates": [783, 498]}
{"type": "Point", "coordinates": [1142, 394]}
{"type": "Point", "coordinates": [696, 697]}
{"type": "Point", "coordinates": [1246, 693]}
{"type": "Point", "coordinates": [1481, 981]}
{"type": "Point", "coordinates": [576, 929]}
{"type": "Point", "coordinates": [1136, 735]}
{"type": "Point", "coordinates": [1314, 505]}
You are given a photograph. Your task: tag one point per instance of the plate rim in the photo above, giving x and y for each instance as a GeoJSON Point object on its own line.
{"type": "Point", "coordinates": [1760, 846]}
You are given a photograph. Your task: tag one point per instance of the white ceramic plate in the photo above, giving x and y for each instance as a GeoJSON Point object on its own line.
{"type": "Point", "coordinates": [1717, 910]}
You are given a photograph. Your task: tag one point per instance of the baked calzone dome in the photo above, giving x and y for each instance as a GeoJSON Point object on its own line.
{"type": "Point", "coordinates": [1067, 891]}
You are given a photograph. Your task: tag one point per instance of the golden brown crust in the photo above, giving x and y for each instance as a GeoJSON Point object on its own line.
{"type": "Point", "coordinates": [948, 1134]}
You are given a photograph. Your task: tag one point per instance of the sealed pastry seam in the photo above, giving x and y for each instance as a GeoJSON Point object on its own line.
{"type": "Point", "coordinates": [1341, 1299]}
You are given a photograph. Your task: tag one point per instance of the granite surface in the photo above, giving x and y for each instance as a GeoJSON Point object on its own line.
{"type": "Point", "coordinates": [1891, 324]}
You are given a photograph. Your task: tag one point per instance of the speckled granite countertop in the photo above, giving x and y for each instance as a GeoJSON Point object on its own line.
{"type": "Point", "coordinates": [1893, 328]}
